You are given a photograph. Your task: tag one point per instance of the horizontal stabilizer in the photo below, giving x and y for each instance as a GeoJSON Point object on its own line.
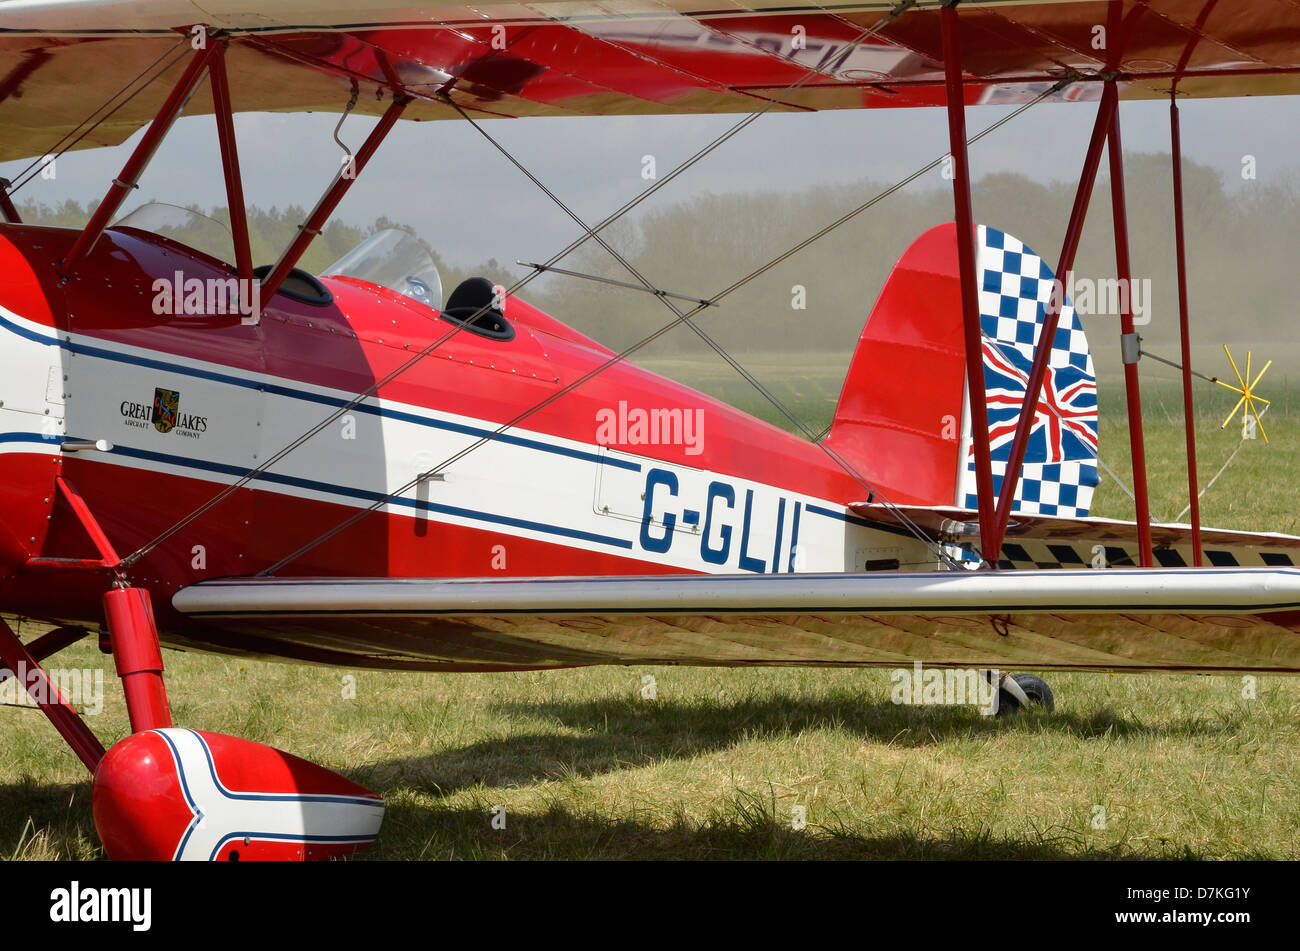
{"type": "Point", "coordinates": [1040, 541]}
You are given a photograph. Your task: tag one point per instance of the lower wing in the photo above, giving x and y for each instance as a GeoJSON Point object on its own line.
{"type": "Point", "coordinates": [1214, 619]}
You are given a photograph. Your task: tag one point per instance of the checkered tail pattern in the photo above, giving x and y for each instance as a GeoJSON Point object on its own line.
{"type": "Point", "coordinates": [1060, 468]}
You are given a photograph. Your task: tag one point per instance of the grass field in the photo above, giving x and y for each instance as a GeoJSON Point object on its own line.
{"type": "Point", "coordinates": [1127, 767]}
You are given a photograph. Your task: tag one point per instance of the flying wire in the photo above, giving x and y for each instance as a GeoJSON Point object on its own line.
{"type": "Point", "coordinates": [582, 239]}
{"type": "Point", "coordinates": [620, 356]}
{"type": "Point", "coordinates": [578, 242]}
{"type": "Point", "coordinates": [39, 163]}
{"type": "Point", "coordinates": [722, 352]}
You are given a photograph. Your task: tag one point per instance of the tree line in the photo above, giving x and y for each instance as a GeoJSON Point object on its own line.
{"type": "Point", "coordinates": [1240, 244]}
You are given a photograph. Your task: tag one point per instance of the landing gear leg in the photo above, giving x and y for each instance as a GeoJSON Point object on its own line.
{"type": "Point", "coordinates": [168, 793]}
{"type": "Point", "coordinates": [138, 657]}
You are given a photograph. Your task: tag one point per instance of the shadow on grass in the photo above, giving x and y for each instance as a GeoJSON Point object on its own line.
{"type": "Point", "coordinates": [603, 736]}
{"type": "Point", "coordinates": [44, 821]}
{"type": "Point", "coordinates": [743, 829]}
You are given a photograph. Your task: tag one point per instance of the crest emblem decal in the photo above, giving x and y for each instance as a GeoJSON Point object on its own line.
{"type": "Point", "coordinates": [166, 405]}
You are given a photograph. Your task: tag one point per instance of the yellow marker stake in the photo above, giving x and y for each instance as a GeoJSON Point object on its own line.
{"type": "Point", "coordinates": [1247, 391]}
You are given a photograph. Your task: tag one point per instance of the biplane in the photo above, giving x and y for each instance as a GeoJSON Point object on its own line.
{"type": "Point", "coordinates": [344, 468]}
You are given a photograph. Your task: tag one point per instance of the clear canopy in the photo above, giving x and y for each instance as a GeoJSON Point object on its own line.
{"type": "Point", "coordinates": [184, 225]}
{"type": "Point", "coordinates": [391, 258]}
{"type": "Point", "coordinates": [394, 259]}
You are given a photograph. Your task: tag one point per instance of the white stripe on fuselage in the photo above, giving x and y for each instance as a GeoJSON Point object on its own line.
{"type": "Point", "coordinates": [530, 484]}
{"type": "Point", "coordinates": [221, 814]}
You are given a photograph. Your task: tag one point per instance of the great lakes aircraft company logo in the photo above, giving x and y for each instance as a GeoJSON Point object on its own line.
{"type": "Point", "coordinates": [165, 415]}
{"type": "Point", "coordinates": [166, 404]}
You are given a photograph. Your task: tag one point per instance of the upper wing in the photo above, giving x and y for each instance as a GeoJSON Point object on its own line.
{"type": "Point", "coordinates": [578, 57]}
{"type": "Point", "coordinates": [1214, 619]}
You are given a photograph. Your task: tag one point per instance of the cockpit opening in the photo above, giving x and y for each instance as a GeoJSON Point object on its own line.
{"type": "Point", "coordinates": [395, 259]}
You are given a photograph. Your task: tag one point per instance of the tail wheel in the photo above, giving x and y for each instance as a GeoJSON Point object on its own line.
{"type": "Point", "coordinates": [1027, 689]}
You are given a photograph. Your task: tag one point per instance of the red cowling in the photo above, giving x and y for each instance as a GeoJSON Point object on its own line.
{"type": "Point", "coordinates": [185, 794]}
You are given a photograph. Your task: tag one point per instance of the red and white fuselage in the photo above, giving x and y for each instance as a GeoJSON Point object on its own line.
{"type": "Point", "coordinates": [565, 492]}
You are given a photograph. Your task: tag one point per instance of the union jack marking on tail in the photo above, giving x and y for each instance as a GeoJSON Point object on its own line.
{"type": "Point", "coordinates": [1060, 468]}
{"type": "Point", "coordinates": [1066, 407]}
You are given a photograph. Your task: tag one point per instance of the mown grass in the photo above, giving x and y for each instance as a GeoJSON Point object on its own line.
{"type": "Point", "coordinates": [1127, 766]}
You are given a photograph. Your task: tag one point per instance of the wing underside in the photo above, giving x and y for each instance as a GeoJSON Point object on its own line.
{"type": "Point", "coordinates": [1216, 619]}
{"type": "Point", "coordinates": [572, 57]}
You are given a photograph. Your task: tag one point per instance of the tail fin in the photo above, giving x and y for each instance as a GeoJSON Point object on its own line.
{"type": "Point", "coordinates": [902, 417]}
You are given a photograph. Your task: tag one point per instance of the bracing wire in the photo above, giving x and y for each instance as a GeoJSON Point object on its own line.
{"type": "Point", "coordinates": [679, 319]}
{"type": "Point", "coordinates": [416, 358]}
{"type": "Point", "coordinates": [34, 168]}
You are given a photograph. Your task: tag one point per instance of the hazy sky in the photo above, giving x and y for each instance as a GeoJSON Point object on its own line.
{"type": "Point", "coordinates": [470, 204]}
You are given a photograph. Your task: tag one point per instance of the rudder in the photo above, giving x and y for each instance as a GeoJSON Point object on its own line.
{"type": "Point", "coordinates": [902, 418]}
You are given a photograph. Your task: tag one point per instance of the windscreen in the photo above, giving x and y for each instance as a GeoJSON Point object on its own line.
{"type": "Point", "coordinates": [183, 225]}
{"type": "Point", "coordinates": [394, 259]}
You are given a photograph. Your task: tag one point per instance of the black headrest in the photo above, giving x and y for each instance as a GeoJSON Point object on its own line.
{"type": "Point", "coordinates": [469, 300]}
{"type": "Point", "coordinates": [473, 293]}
